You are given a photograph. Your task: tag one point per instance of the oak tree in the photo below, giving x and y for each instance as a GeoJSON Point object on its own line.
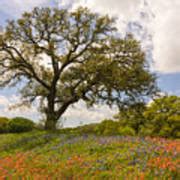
{"type": "Point", "coordinates": [62, 56]}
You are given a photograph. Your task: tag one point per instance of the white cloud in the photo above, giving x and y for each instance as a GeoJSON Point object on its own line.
{"type": "Point", "coordinates": [3, 101]}
{"type": "Point", "coordinates": [74, 115]}
{"type": "Point", "coordinates": [164, 28]}
{"type": "Point", "coordinates": [123, 10]}
{"type": "Point", "coordinates": [166, 35]}
{"type": "Point", "coordinates": [79, 113]}
{"type": "Point", "coordinates": [113, 7]}
{"type": "Point", "coordinates": [7, 102]}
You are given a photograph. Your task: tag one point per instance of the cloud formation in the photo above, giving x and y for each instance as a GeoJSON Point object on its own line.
{"type": "Point", "coordinates": [162, 31]}
{"type": "Point", "coordinates": [164, 28]}
{"type": "Point", "coordinates": [78, 114]}
{"type": "Point", "coordinates": [166, 35]}
{"type": "Point", "coordinates": [73, 116]}
{"type": "Point", "coordinates": [7, 102]}
{"type": "Point", "coordinates": [123, 10]}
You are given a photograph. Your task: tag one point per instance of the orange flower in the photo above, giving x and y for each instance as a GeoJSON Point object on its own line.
{"type": "Point", "coordinates": [163, 163]}
{"type": "Point", "coordinates": [142, 176]}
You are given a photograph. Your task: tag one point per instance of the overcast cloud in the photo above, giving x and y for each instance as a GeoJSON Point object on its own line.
{"type": "Point", "coordinates": [164, 27]}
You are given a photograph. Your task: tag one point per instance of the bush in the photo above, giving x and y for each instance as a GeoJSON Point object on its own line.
{"type": "Point", "coordinates": [87, 129]}
{"type": "Point", "coordinates": [165, 132]}
{"type": "Point", "coordinates": [107, 127]}
{"type": "Point", "coordinates": [4, 124]}
{"type": "Point", "coordinates": [126, 131]}
{"type": "Point", "coordinates": [146, 131]}
{"type": "Point", "coordinates": [19, 124]}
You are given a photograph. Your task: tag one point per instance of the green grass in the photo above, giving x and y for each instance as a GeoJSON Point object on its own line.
{"type": "Point", "coordinates": [45, 155]}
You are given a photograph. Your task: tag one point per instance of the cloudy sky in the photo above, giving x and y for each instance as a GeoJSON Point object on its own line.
{"type": "Point", "coordinates": [155, 22]}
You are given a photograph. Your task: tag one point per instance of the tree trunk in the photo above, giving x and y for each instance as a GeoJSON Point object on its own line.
{"type": "Point", "coordinates": [51, 119]}
{"type": "Point", "coordinates": [53, 116]}
{"type": "Point", "coordinates": [51, 122]}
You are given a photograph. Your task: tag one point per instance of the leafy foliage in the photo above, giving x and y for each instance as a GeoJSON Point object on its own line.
{"type": "Point", "coordinates": [126, 131]}
{"type": "Point", "coordinates": [159, 118]}
{"type": "Point", "coordinates": [66, 56]}
{"type": "Point", "coordinates": [164, 116]}
{"type": "Point", "coordinates": [132, 116]}
{"type": "Point", "coordinates": [4, 124]}
{"type": "Point", "coordinates": [105, 128]}
{"type": "Point", "coordinates": [19, 124]}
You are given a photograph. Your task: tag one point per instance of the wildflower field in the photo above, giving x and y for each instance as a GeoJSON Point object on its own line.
{"type": "Point", "coordinates": [41, 155]}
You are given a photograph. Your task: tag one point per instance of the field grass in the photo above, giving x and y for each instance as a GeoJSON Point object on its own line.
{"type": "Point", "coordinates": [42, 155]}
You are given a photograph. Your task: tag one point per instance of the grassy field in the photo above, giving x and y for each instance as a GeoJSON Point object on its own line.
{"type": "Point", "coordinates": [42, 155]}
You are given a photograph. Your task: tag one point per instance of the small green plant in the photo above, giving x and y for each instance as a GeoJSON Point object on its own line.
{"type": "Point", "coordinates": [19, 124]}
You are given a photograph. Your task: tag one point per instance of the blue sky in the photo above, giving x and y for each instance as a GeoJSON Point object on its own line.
{"type": "Point", "coordinates": [158, 31]}
{"type": "Point", "coordinates": [170, 83]}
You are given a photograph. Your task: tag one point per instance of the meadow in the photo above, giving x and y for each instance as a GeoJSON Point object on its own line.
{"type": "Point", "coordinates": [43, 155]}
{"type": "Point", "coordinates": [55, 57]}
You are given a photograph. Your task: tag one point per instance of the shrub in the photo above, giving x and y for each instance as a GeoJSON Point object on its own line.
{"type": "Point", "coordinates": [86, 129]}
{"type": "Point", "coordinates": [4, 124]}
{"type": "Point", "coordinates": [126, 131]}
{"type": "Point", "coordinates": [99, 129]}
{"type": "Point", "coordinates": [165, 132]}
{"type": "Point", "coordinates": [146, 130]}
{"type": "Point", "coordinates": [19, 124]}
{"type": "Point", "coordinates": [107, 127]}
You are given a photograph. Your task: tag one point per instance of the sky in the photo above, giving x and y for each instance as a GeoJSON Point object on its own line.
{"type": "Point", "coordinates": [154, 22]}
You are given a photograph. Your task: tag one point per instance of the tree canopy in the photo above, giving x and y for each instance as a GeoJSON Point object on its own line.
{"type": "Point", "coordinates": [132, 116]}
{"type": "Point", "coordinates": [64, 56]}
{"type": "Point", "coordinates": [163, 116]}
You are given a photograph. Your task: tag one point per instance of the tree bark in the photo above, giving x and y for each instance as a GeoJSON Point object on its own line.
{"type": "Point", "coordinates": [51, 122]}
{"type": "Point", "coordinates": [51, 118]}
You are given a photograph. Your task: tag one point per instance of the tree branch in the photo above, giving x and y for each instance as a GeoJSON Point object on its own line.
{"type": "Point", "coordinates": [25, 64]}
